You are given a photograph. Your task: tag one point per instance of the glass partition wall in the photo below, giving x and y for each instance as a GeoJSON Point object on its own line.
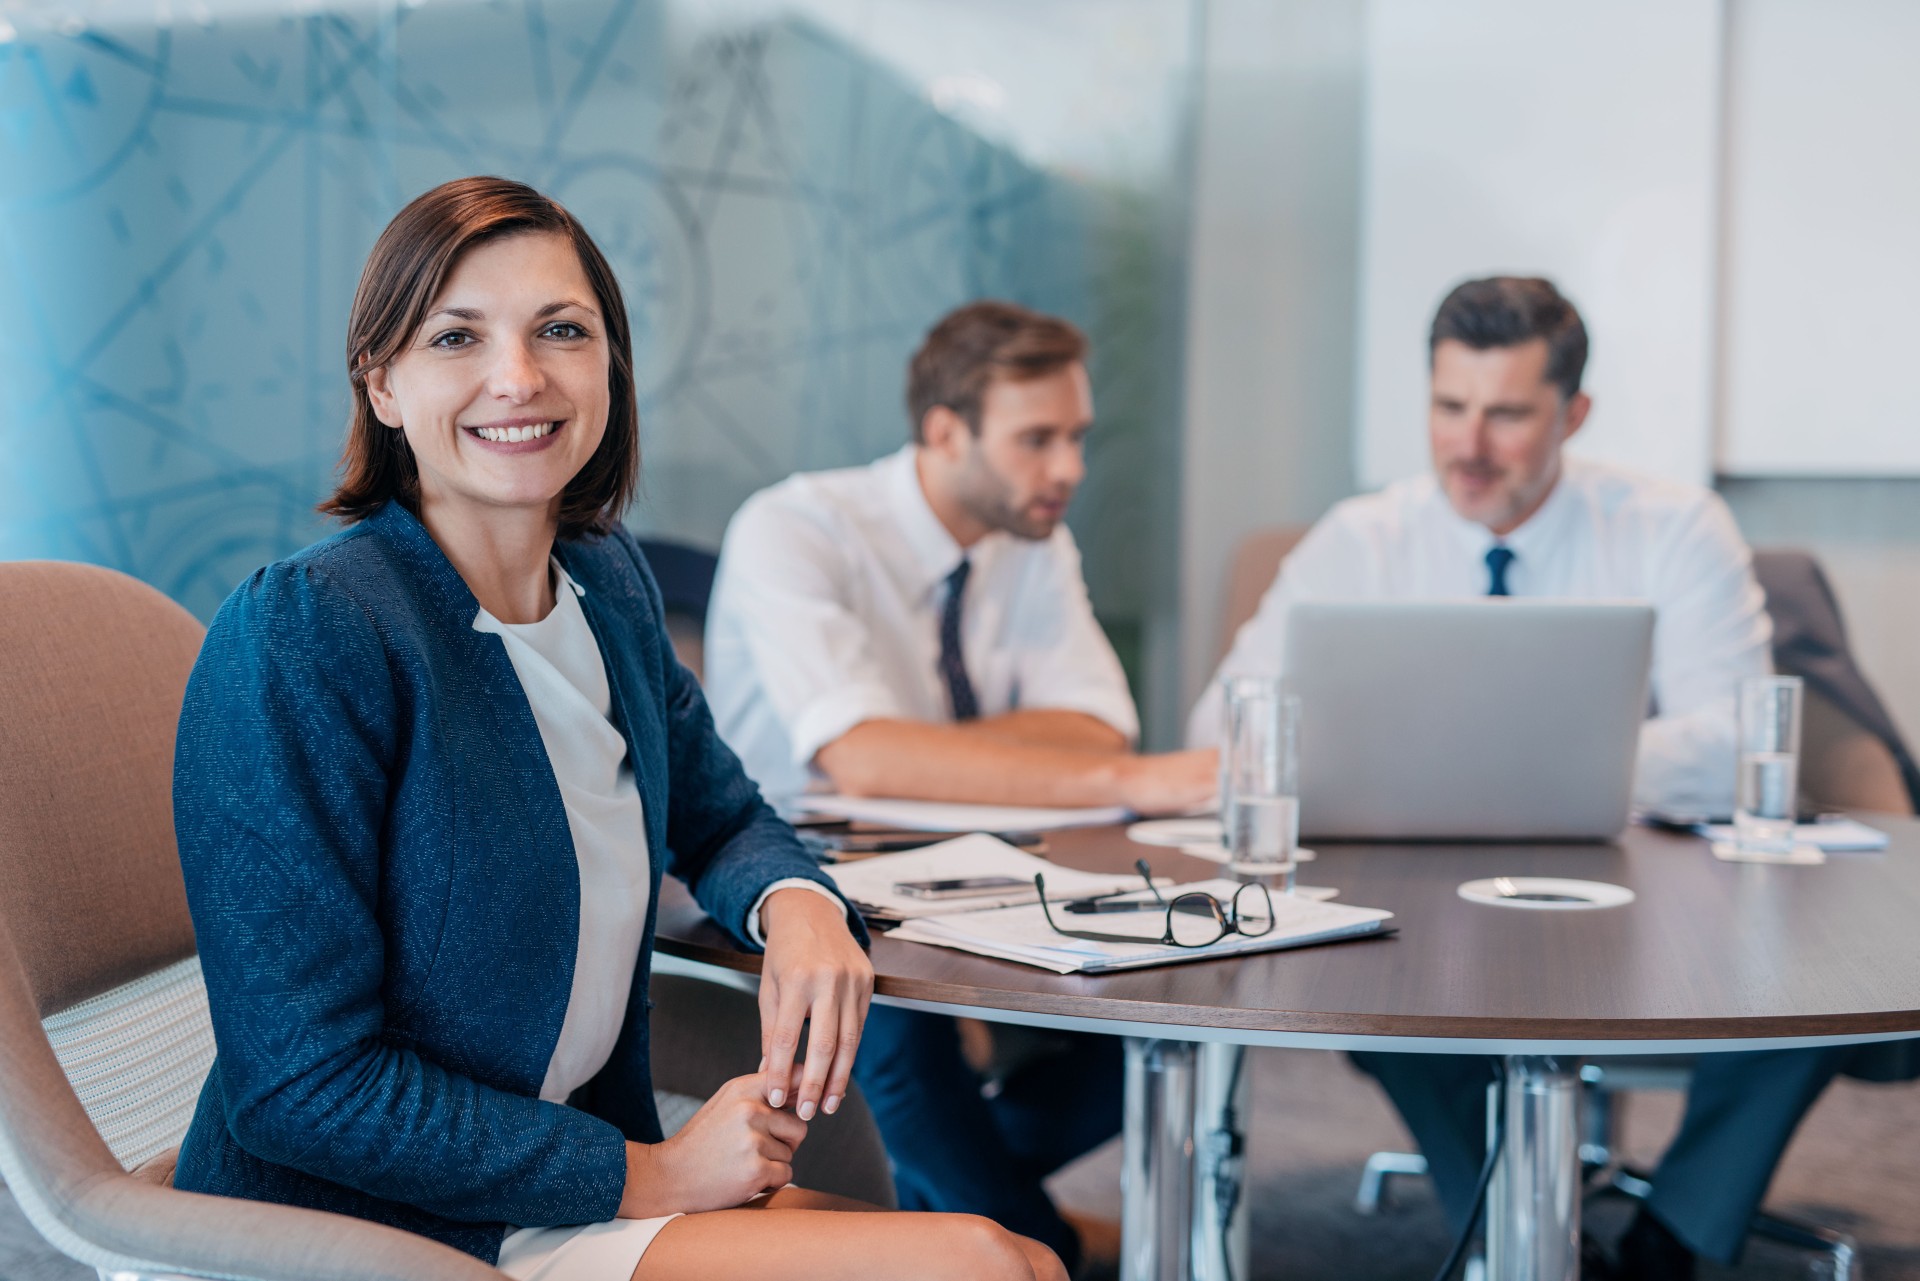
{"type": "Point", "coordinates": [791, 192]}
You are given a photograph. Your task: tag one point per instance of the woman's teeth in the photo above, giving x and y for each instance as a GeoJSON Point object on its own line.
{"type": "Point", "coordinates": [513, 435]}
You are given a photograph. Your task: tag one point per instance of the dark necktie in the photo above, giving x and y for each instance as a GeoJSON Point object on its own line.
{"type": "Point", "coordinates": [1498, 559]}
{"type": "Point", "coordinates": [953, 664]}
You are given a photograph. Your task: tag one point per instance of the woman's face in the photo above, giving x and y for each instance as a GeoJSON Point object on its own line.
{"type": "Point", "coordinates": [503, 391]}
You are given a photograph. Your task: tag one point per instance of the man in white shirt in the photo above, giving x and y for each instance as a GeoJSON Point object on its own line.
{"type": "Point", "coordinates": [919, 627]}
{"type": "Point", "coordinates": [1506, 513]}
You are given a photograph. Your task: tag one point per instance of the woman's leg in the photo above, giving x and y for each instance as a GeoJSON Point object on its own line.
{"type": "Point", "coordinates": [774, 1240]}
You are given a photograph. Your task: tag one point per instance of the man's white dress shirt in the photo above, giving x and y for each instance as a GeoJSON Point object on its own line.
{"type": "Point", "coordinates": [1603, 533]}
{"type": "Point", "coordinates": [826, 613]}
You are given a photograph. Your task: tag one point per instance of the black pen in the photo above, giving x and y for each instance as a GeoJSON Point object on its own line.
{"type": "Point", "coordinates": [1095, 906]}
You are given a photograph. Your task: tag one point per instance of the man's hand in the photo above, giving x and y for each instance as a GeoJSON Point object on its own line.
{"type": "Point", "coordinates": [815, 974]}
{"type": "Point", "coordinates": [733, 1149]}
{"type": "Point", "coordinates": [1170, 783]}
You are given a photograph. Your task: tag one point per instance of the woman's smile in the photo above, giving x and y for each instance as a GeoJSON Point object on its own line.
{"type": "Point", "coordinates": [516, 435]}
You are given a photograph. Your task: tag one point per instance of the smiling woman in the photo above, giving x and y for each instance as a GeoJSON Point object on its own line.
{"type": "Point", "coordinates": [430, 772]}
{"type": "Point", "coordinates": [492, 311]}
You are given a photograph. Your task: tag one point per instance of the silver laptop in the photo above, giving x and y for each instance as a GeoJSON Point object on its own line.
{"type": "Point", "coordinates": [1435, 720]}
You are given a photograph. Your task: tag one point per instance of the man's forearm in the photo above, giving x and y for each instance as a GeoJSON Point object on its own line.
{"type": "Point", "coordinates": [952, 763]}
{"type": "Point", "coordinates": [1048, 727]}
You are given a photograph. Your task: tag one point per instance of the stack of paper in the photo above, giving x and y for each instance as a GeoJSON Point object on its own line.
{"type": "Point", "coordinates": [869, 883]}
{"type": "Point", "coordinates": [1022, 933]}
{"type": "Point", "coordinates": [939, 816]}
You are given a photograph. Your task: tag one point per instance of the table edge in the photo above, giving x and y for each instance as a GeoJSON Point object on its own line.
{"type": "Point", "coordinates": [1422, 1033]}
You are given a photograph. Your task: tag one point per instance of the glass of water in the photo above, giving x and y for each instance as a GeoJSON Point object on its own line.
{"type": "Point", "coordinates": [1260, 780]}
{"type": "Point", "coordinates": [1767, 803]}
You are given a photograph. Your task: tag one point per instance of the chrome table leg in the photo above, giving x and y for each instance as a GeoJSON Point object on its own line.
{"type": "Point", "coordinates": [1533, 1204]}
{"type": "Point", "coordinates": [1182, 1174]}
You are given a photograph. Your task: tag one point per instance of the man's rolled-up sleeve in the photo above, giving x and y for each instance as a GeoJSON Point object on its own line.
{"type": "Point", "coordinates": [1710, 633]}
{"type": "Point", "coordinates": [786, 591]}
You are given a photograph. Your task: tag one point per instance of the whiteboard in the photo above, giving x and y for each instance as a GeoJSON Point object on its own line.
{"type": "Point", "coordinates": [1822, 298]}
{"type": "Point", "coordinates": [1577, 141]}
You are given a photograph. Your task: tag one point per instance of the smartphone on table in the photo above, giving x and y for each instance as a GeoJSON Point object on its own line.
{"type": "Point", "coordinates": [960, 887]}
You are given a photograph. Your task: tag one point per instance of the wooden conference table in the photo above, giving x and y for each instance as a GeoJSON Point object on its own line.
{"type": "Point", "coordinates": [1710, 956]}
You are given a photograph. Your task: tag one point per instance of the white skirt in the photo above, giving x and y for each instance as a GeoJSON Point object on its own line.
{"type": "Point", "coordinates": [583, 1252]}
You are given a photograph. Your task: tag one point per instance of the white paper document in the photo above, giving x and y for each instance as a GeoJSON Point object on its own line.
{"type": "Point", "coordinates": [941, 816]}
{"type": "Point", "coordinates": [1022, 934]}
{"type": "Point", "coordinates": [869, 883]}
{"type": "Point", "coordinates": [1835, 835]}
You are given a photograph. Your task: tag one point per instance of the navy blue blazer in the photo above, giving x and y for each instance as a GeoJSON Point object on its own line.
{"type": "Point", "coordinates": [386, 897]}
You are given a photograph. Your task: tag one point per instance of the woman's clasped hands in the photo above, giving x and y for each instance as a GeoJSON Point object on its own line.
{"type": "Point", "coordinates": [741, 1142]}
{"type": "Point", "coordinates": [730, 1151]}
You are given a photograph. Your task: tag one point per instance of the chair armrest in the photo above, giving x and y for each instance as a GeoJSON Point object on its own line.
{"type": "Point", "coordinates": [127, 1222]}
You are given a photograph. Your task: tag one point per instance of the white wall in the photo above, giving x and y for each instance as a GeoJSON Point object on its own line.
{"type": "Point", "coordinates": [1823, 263]}
{"type": "Point", "coordinates": [1270, 324]}
{"type": "Point", "coordinates": [1573, 141]}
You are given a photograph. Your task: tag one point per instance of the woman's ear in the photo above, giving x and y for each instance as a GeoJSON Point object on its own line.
{"type": "Point", "coordinates": [386, 407]}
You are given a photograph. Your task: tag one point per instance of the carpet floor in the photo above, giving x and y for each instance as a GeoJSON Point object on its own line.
{"type": "Point", "coordinates": [1855, 1165]}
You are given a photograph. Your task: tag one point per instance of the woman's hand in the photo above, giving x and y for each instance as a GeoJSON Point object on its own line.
{"type": "Point", "coordinates": [814, 972]}
{"type": "Point", "coordinates": [733, 1149]}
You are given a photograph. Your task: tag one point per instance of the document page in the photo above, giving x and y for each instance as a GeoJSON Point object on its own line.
{"type": "Point", "coordinates": [1022, 934]}
{"type": "Point", "coordinates": [870, 883]}
{"type": "Point", "coordinates": [941, 816]}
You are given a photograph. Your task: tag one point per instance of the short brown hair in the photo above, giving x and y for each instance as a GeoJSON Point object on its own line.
{"type": "Point", "coordinates": [1507, 311]}
{"type": "Point", "coordinates": [977, 343]}
{"type": "Point", "coordinates": [408, 267]}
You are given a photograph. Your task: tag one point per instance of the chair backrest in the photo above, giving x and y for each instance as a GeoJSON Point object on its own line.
{"type": "Point", "coordinates": [1852, 755]}
{"type": "Point", "coordinates": [685, 575]}
{"type": "Point", "coordinates": [93, 669]}
{"type": "Point", "coordinates": [1256, 562]}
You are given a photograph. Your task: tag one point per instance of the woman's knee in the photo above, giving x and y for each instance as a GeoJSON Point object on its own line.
{"type": "Point", "coordinates": [1043, 1262]}
{"type": "Point", "coordinates": [969, 1246]}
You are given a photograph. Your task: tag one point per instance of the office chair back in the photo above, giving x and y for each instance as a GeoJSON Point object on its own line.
{"type": "Point", "coordinates": [93, 667]}
{"type": "Point", "coordinates": [104, 1035]}
{"type": "Point", "coordinates": [1852, 755]}
{"type": "Point", "coordinates": [1256, 563]}
{"type": "Point", "coordinates": [685, 575]}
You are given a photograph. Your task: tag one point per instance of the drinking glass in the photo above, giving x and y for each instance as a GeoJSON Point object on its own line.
{"type": "Point", "coordinates": [1260, 780]}
{"type": "Point", "coordinates": [1766, 802]}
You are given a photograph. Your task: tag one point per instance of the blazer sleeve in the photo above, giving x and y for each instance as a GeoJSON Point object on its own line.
{"type": "Point", "coordinates": [289, 736]}
{"type": "Point", "coordinates": [723, 839]}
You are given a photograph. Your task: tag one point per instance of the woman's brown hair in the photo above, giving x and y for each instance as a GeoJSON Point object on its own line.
{"type": "Point", "coordinates": [405, 272]}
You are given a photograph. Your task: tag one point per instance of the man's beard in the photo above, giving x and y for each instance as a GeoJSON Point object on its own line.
{"type": "Point", "coordinates": [986, 498]}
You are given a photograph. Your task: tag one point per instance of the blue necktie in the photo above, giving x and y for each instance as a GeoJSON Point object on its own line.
{"type": "Point", "coordinates": [1498, 558]}
{"type": "Point", "coordinates": [953, 664]}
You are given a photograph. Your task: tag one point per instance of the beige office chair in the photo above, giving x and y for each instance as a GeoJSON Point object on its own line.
{"type": "Point", "coordinates": [1256, 563]}
{"type": "Point", "coordinates": [104, 1034]}
{"type": "Point", "coordinates": [95, 940]}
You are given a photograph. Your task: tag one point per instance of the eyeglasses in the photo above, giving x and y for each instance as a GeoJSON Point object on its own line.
{"type": "Point", "coordinates": [1194, 919]}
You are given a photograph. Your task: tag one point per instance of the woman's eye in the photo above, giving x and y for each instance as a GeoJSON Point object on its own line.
{"type": "Point", "coordinates": [565, 329]}
{"type": "Point", "coordinates": [451, 340]}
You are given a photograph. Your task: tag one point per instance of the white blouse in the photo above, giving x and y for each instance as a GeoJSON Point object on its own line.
{"type": "Point", "coordinates": [558, 662]}
{"type": "Point", "coordinates": [559, 665]}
